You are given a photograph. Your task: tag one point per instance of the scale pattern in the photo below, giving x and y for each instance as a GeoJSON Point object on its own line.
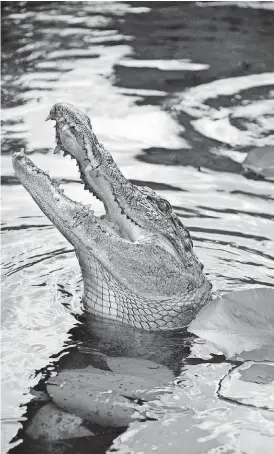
{"type": "Point", "coordinates": [106, 297]}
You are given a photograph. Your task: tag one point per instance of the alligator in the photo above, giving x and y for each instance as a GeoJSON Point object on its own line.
{"type": "Point", "coordinates": [137, 260]}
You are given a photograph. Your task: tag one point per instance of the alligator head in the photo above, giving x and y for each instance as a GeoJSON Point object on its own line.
{"type": "Point", "coordinates": [137, 261]}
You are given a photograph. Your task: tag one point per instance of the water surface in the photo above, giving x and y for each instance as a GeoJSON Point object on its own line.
{"type": "Point", "coordinates": [179, 94]}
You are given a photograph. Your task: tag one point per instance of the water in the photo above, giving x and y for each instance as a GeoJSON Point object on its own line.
{"type": "Point", "coordinates": [178, 93]}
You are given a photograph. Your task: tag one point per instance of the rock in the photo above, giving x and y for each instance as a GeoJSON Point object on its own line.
{"type": "Point", "coordinates": [239, 323]}
{"type": "Point", "coordinates": [51, 424]}
{"type": "Point", "coordinates": [97, 396]}
{"type": "Point", "coordinates": [140, 367]}
{"type": "Point", "coordinates": [260, 160]}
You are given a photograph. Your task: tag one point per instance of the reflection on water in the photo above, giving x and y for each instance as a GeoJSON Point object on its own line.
{"type": "Point", "coordinates": [178, 93]}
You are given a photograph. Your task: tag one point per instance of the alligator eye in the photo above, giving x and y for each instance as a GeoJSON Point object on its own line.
{"type": "Point", "coordinates": [164, 205]}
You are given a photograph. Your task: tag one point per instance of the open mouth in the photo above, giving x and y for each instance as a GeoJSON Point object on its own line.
{"type": "Point", "coordinates": [75, 137]}
{"type": "Point", "coordinates": [73, 140]}
{"type": "Point", "coordinates": [49, 194]}
{"type": "Point", "coordinates": [131, 213]}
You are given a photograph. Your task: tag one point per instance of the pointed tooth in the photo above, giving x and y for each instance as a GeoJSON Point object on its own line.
{"type": "Point", "coordinates": [57, 149]}
{"type": "Point", "coordinates": [56, 182]}
{"type": "Point", "coordinates": [19, 153]}
{"type": "Point", "coordinates": [65, 153]}
{"type": "Point", "coordinates": [89, 207]}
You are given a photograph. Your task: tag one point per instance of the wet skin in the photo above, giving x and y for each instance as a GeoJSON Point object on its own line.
{"type": "Point", "coordinates": [137, 261]}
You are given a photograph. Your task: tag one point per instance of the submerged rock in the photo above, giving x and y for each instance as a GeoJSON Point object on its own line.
{"type": "Point", "coordinates": [140, 367]}
{"type": "Point", "coordinates": [51, 424]}
{"type": "Point", "coordinates": [96, 395]}
{"type": "Point", "coordinates": [105, 397]}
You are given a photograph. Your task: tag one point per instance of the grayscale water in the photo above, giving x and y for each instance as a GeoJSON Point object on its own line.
{"type": "Point", "coordinates": [178, 93]}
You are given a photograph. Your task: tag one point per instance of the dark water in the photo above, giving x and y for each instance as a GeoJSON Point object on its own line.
{"type": "Point", "coordinates": [179, 93]}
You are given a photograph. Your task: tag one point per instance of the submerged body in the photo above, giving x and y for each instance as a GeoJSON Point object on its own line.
{"type": "Point", "coordinates": [137, 261]}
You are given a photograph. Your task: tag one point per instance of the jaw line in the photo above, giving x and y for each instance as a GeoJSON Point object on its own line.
{"type": "Point", "coordinates": [107, 226]}
{"type": "Point", "coordinates": [115, 213]}
{"type": "Point", "coordinates": [91, 176]}
{"type": "Point", "coordinates": [26, 170]}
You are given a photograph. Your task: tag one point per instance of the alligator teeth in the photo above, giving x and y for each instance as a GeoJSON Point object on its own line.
{"type": "Point", "coordinates": [57, 149]}
{"type": "Point", "coordinates": [20, 153]}
{"type": "Point", "coordinates": [89, 207]}
{"type": "Point", "coordinates": [56, 182]}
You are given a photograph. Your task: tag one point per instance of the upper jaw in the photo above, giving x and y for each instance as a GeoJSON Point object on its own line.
{"type": "Point", "coordinates": [98, 171]}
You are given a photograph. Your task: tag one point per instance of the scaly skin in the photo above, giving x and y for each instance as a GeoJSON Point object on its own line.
{"type": "Point", "coordinates": [137, 261]}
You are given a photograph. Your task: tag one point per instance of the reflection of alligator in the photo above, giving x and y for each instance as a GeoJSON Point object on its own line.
{"type": "Point", "coordinates": [108, 376]}
{"type": "Point", "coordinates": [137, 261]}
